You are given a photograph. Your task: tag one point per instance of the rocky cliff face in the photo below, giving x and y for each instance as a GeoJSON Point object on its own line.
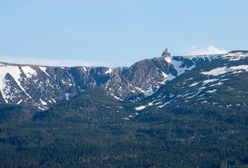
{"type": "Point", "coordinates": [43, 85]}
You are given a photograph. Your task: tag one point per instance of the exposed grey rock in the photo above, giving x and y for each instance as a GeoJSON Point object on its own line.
{"type": "Point", "coordinates": [44, 85]}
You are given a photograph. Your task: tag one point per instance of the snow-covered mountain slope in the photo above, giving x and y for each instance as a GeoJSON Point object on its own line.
{"type": "Point", "coordinates": [42, 86]}
{"type": "Point", "coordinates": [220, 83]}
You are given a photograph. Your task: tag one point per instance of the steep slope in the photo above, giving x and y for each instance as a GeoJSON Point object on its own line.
{"type": "Point", "coordinates": [42, 86]}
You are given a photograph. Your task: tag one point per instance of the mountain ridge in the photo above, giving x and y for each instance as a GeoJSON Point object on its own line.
{"type": "Point", "coordinates": [43, 85]}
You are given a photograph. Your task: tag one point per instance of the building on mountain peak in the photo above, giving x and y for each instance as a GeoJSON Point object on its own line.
{"type": "Point", "coordinates": [166, 53]}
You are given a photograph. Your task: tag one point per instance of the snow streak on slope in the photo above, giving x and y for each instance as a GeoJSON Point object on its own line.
{"type": "Point", "coordinates": [15, 72]}
{"type": "Point", "coordinates": [215, 72]}
{"type": "Point", "coordinates": [140, 108]}
{"type": "Point", "coordinates": [44, 70]}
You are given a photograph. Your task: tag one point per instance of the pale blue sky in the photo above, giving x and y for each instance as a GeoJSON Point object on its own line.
{"type": "Point", "coordinates": [117, 32]}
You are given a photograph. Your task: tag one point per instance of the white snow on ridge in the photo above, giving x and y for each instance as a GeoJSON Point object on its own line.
{"type": "Point", "coordinates": [223, 70]}
{"type": "Point", "coordinates": [29, 71]}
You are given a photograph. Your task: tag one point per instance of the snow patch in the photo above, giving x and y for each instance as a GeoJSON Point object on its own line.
{"type": "Point", "coordinates": [179, 68]}
{"type": "Point", "coordinates": [140, 108]}
{"type": "Point", "coordinates": [29, 71]}
{"type": "Point", "coordinates": [168, 59]}
{"type": "Point", "coordinates": [163, 105]}
{"type": "Point", "coordinates": [19, 101]}
{"type": "Point", "coordinates": [215, 72]}
{"type": "Point", "coordinates": [116, 97]}
{"type": "Point", "coordinates": [109, 71]}
{"type": "Point", "coordinates": [151, 103]}
{"type": "Point", "coordinates": [211, 91]}
{"type": "Point", "coordinates": [130, 116]}
{"type": "Point", "coordinates": [239, 67]}
{"type": "Point", "coordinates": [54, 100]}
{"type": "Point", "coordinates": [194, 84]}
{"type": "Point", "coordinates": [67, 96]}
{"type": "Point", "coordinates": [43, 102]}
{"type": "Point", "coordinates": [84, 68]}
{"type": "Point", "coordinates": [217, 84]}
{"type": "Point", "coordinates": [42, 108]}
{"type": "Point", "coordinates": [223, 70]}
{"type": "Point", "coordinates": [209, 81]}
